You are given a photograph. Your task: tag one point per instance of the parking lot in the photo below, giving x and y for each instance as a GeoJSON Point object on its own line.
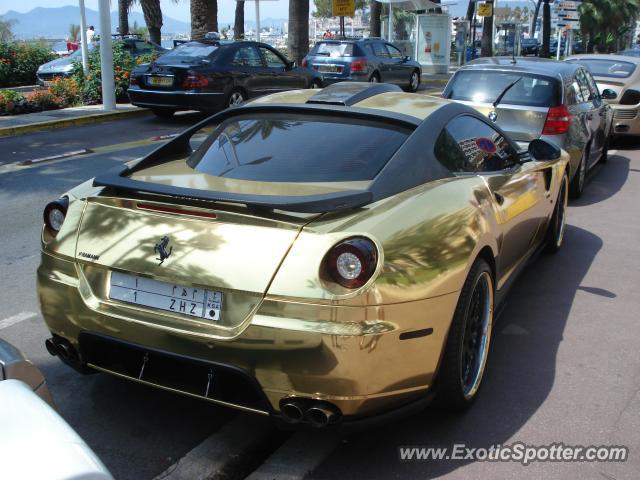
{"type": "Point", "coordinates": [564, 366]}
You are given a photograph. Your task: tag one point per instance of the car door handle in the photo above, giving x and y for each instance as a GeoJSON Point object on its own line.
{"type": "Point", "coordinates": [499, 198]}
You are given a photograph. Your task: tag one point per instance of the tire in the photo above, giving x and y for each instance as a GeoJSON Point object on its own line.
{"type": "Point", "coordinates": [374, 78]}
{"type": "Point", "coordinates": [461, 371]}
{"type": "Point", "coordinates": [555, 231]}
{"type": "Point", "coordinates": [576, 187]}
{"type": "Point", "coordinates": [163, 112]}
{"type": "Point", "coordinates": [315, 84]}
{"type": "Point", "coordinates": [235, 97]}
{"type": "Point", "coordinates": [605, 151]}
{"type": "Point", "coordinates": [414, 81]}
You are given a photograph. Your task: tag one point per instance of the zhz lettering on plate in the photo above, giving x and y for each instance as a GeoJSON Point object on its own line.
{"type": "Point", "coordinates": [196, 302]}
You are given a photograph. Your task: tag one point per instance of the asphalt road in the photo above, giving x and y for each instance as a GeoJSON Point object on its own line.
{"type": "Point", "coordinates": [564, 365]}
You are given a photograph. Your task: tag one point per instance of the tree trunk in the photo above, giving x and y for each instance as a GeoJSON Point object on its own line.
{"type": "Point", "coordinates": [204, 17]}
{"type": "Point", "coordinates": [153, 18]}
{"type": "Point", "coordinates": [487, 29]}
{"type": "Point", "coordinates": [298, 40]}
{"type": "Point", "coordinates": [123, 16]}
{"type": "Point", "coordinates": [546, 29]}
{"type": "Point", "coordinates": [534, 21]}
{"type": "Point", "coordinates": [238, 24]}
{"type": "Point", "coordinates": [374, 20]}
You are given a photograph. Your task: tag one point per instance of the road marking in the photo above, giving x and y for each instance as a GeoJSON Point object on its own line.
{"type": "Point", "coordinates": [223, 451]}
{"type": "Point", "coordinates": [300, 455]}
{"type": "Point", "coordinates": [17, 318]}
{"type": "Point", "coordinates": [72, 153]}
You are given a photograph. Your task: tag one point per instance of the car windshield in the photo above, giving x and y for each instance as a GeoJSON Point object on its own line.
{"type": "Point", "coordinates": [188, 53]}
{"type": "Point", "coordinates": [284, 148]}
{"type": "Point", "coordinates": [334, 49]}
{"type": "Point", "coordinates": [484, 86]}
{"type": "Point", "coordinates": [607, 68]}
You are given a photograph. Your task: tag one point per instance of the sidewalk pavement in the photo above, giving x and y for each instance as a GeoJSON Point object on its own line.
{"type": "Point", "coordinates": [67, 117]}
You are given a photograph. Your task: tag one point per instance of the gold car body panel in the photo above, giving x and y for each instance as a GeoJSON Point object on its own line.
{"type": "Point", "coordinates": [285, 323]}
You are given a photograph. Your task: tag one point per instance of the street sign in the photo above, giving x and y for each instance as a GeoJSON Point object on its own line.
{"type": "Point", "coordinates": [485, 10]}
{"type": "Point", "coordinates": [343, 8]}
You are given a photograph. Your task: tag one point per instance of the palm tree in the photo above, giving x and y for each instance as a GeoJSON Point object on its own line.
{"type": "Point", "coordinates": [486, 47]}
{"type": "Point", "coordinates": [546, 29]}
{"type": "Point", "coordinates": [74, 32]}
{"type": "Point", "coordinates": [604, 23]}
{"type": "Point", "coordinates": [374, 21]}
{"type": "Point", "coordinates": [238, 24]}
{"type": "Point", "coordinates": [298, 40]}
{"type": "Point", "coordinates": [153, 18]}
{"type": "Point", "coordinates": [204, 17]}
{"type": "Point", "coordinates": [123, 16]}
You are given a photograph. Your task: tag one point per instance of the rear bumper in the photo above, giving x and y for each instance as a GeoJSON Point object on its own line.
{"type": "Point", "coordinates": [288, 350]}
{"type": "Point", "coordinates": [328, 79]}
{"type": "Point", "coordinates": [209, 101]}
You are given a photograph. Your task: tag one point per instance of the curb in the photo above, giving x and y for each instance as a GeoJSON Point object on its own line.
{"type": "Point", "coordinates": [72, 122]}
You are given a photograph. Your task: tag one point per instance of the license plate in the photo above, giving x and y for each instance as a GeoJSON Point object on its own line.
{"type": "Point", "coordinates": [329, 68]}
{"type": "Point", "coordinates": [48, 83]}
{"type": "Point", "coordinates": [160, 81]}
{"type": "Point", "coordinates": [196, 302]}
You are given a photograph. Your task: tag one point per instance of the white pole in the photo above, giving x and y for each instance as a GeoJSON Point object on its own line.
{"type": "Point", "coordinates": [83, 39]}
{"type": "Point", "coordinates": [390, 22]}
{"type": "Point", "coordinates": [559, 41]}
{"type": "Point", "coordinates": [106, 58]}
{"type": "Point", "coordinates": [257, 20]}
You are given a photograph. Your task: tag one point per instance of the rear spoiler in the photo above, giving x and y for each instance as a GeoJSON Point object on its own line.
{"type": "Point", "coordinates": [327, 202]}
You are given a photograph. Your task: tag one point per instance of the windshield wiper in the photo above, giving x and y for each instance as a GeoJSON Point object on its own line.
{"type": "Point", "coordinates": [504, 92]}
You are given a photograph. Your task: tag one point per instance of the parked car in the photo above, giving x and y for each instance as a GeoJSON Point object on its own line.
{"type": "Point", "coordinates": [529, 46]}
{"type": "Point", "coordinates": [630, 52]}
{"type": "Point", "coordinates": [35, 441]}
{"type": "Point", "coordinates": [14, 365]}
{"type": "Point", "coordinates": [244, 272]}
{"type": "Point", "coordinates": [540, 98]}
{"type": "Point", "coordinates": [63, 67]}
{"type": "Point", "coordinates": [618, 78]}
{"type": "Point", "coordinates": [212, 74]}
{"type": "Point", "coordinates": [365, 60]}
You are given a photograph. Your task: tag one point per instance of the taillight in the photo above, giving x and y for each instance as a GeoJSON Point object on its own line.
{"type": "Point", "coordinates": [358, 66]}
{"type": "Point", "coordinates": [133, 81]}
{"type": "Point", "coordinates": [558, 121]}
{"type": "Point", "coordinates": [304, 62]}
{"type": "Point", "coordinates": [54, 214]}
{"type": "Point", "coordinates": [351, 263]}
{"type": "Point", "coordinates": [195, 80]}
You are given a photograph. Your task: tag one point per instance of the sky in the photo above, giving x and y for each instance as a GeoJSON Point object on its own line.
{"type": "Point", "coordinates": [179, 11]}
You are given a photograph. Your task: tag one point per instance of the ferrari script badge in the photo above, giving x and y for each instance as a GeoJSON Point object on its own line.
{"type": "Point", "coordinates": [161, 249]}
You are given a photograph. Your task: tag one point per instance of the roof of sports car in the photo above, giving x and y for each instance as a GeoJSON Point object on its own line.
{"type": "Point", "coordinates": [382, 97]}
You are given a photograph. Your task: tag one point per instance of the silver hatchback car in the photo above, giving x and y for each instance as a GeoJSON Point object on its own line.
{"type": "Point", "coordinates": [539, 98]}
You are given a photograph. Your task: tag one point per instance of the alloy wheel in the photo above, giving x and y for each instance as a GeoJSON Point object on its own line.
{"type": "Point", "coordinates": [477, 335]}
{"type": "Point", "coordinates": [236, 98]}
{"type": "Point", "coordinates": [414, 81]}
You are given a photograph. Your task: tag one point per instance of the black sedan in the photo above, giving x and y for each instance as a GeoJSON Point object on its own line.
{"type": "Point", "coordinates": [529, 46]}
{"type": "Point", "coordinates": [210, 75]}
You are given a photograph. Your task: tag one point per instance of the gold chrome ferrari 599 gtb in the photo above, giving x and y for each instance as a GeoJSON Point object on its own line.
{"type": "Point", "coordinates": [323, 257]}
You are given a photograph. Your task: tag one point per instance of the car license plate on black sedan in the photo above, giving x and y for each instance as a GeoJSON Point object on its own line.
{"type": "Point", "coordinates": [196, 302]}
{"type": "Point", "coordinates": [160, 81]}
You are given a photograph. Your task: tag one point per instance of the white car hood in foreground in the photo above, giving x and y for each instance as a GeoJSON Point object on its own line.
{"type": "Point", "coordinates": [36, 443]}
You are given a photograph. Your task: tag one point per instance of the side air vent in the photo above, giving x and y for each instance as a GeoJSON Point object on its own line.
{"type": "Point", "coordinates": [630, 97]}
{"type": "Point", "coordinates": [349, 93]}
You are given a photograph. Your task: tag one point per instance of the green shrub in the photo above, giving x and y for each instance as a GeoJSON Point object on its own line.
{"type": "Point", "coordinates": [62, 93]}
{"type": "Point", "coordinates": [19, 62]}
{"type": "Point", "coordinates": [90, 87]}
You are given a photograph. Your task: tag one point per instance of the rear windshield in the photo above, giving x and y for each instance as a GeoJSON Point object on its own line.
{"type": "Point", "coordinates": [484, 86]}
{"type": "Point", "coordinates": [284, 148]}
{"type": "Point", "coordinates": [607, 68]}
{"type": "Point", "coordinates": [529, 41]}
{"type": "Point", "coordinates": [333, 49]}
{"type": "Point", "coordinates": [188, 52]}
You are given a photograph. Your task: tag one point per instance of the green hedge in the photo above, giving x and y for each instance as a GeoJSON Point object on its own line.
{"type": "Point", "coordinates": [19, 62]}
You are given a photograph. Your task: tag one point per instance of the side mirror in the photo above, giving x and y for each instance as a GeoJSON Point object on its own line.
{"type": "Point", "coordinates": [609, 94]}
{"type": "Point", "coordinates": [542, 150]}
{"type": "Point", "coordinates": [291, 65]}
{"type": "Point", "coordinates": [406, 58]}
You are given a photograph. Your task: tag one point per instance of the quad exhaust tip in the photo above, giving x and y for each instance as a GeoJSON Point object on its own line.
{"type": "Point", "coordinates": [316, 413]}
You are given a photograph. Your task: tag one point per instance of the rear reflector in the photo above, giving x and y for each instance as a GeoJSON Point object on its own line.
{"type": "Point", "coordinates": [558, 121]}
{"type": "Point", "coordinates": [178, 211]}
